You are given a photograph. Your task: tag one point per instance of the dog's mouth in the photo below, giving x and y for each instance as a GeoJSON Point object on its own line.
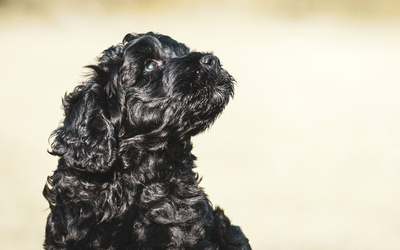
{"type": "Point", "coordinates": [197, 82]}
{"type": "Point", "coordinates": [208, 72]}
{"type": "Point", "coordinates": [201, 80]}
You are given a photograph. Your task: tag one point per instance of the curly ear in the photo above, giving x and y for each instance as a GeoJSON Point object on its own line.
{"type": "Point", "coordinates": [86, 140]}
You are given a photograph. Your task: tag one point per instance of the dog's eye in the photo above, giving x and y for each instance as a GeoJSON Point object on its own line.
{"type": "Point", "coordinates": [151, 65]}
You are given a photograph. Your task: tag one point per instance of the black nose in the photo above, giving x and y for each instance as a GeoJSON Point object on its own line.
{"type": "Point", "coordinates": [210, 61]}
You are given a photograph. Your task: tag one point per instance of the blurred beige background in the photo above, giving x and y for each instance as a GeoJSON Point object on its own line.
{"type": "Point", "coordinates": [307, 155]}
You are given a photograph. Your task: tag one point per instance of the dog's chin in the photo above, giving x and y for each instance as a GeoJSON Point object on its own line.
{"type": "Point", "coordinates": [204, 101]}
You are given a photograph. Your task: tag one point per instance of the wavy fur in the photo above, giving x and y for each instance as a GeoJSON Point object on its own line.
{"type": "Point", "coordinates": [125, 176]}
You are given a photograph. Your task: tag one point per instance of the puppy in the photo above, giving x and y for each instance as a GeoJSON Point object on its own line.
{"type": "Point", "coordinates": [125, 176]}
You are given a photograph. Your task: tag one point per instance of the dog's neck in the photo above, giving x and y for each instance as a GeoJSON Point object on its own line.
{"type": "Point", "coordinates": [173, 155]}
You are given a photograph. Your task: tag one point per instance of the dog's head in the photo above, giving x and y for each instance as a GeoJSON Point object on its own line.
{"type": "Point", "coordinates": [169, 88]}
{"type": "Point", "coordinates": [148, 91]}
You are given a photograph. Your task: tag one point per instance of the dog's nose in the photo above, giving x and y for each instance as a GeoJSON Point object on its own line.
{"type": "Point", "coordinates": [210, 61]}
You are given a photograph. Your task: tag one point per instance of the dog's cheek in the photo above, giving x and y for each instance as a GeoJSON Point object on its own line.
{"type": "Point", "coordinates": [142, 118]}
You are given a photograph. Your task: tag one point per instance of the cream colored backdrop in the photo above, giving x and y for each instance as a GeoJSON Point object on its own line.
{"type": "Point", "coordinates": [307, 155]}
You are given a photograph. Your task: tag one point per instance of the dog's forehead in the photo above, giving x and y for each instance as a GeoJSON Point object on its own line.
{"type": "Point", "coordinates": [160, 44]}
{"type": "Point", "coordinates": [173, 47]}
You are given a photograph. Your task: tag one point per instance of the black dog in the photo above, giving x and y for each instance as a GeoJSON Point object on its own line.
{"type": "Point", "coordinates": [125, 176]}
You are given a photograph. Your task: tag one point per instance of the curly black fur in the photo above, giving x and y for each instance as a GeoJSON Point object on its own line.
{"type": "Point", "coordinates": [125, 176]}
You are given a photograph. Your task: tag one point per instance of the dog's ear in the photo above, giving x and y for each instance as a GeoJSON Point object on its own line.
{"type": "Point", "coordinates": [87, 138]}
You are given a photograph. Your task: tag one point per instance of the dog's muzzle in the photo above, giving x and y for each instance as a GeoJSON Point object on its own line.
{"type": "Point", "coordinates": [210, 61]}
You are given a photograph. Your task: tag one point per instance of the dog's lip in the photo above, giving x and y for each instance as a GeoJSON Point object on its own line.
{"type": "Point", "coordinates": [204, 77]}
{"type": "Point", "coordinates": [198, 81]}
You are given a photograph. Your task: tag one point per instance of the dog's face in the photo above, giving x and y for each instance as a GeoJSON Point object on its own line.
{"type": "Point", "coordinates": [147, 93]}
{"type": "Point", "coordinates": [168, 87]}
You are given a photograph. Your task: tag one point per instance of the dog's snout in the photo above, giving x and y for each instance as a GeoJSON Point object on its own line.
{"type": "Point", "coordinates": [210, 61]}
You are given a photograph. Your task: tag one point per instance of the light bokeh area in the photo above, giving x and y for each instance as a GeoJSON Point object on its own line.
{"type": "Point", "coordinates": [306, 156]}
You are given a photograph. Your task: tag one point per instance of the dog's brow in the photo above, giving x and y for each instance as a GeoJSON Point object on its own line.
{"type": "Point", "coordinates": [148, 40]}
{"type": "Point", "coordinates": [154, 41]}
